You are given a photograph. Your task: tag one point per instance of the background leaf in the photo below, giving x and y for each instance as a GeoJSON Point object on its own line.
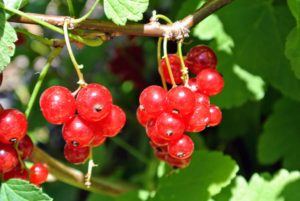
{"type": "Point", "coordinates": [17, 4]}
{"type": "Point", "coordinates": [119, 11]}
{"type": "Point", "coordinates": [15, 189]}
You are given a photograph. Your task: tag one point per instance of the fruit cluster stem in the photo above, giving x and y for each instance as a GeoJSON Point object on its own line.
{"type": "Point", "coordinates": [163, 81]}
{"type": "Point", "coordinates": [184, 69]}
{"type": "Point", "coordinates": [165, 47]}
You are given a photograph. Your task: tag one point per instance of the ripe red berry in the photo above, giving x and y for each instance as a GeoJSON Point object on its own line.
{"type": "Point", "coordinates": [210, 82]}
{"type": "Point", "coordinates": [153, 135]}
{"type": "Point", "coordinates": [177, 163]}
{"type": "Point", "coordinates": [13, 126]}
{"type": "Point", "coordinates": [199, 58]}
{"type": "Point", "coordinates": [78, 132]}
{"type": "Point", "coordinates": [38, 174]}
{"type": "Point", "coordinates": [192, 83]}
{"type": "Point", "coordinates": [182, 148]}
{"type": "Point", "coordinates": [161, 155]}
{"type": "Point", "coordinates": [180, 100]}
{"type": "Point", "coordinates": [94, 102]}
{"type": "Point", "coordinates": [16, 173]}
{"type": "Point", "coordinates": [199, 119]}
{"type": "Point", "coordinates": [8, 158]}
{"type": "Point", "coordinates": [175, 67]}
{"type": "Point", "coordinates": [152, 100]}
{"type": "Point", "coordinates": [215, 115]}
{"type": "Point", "coordinates": [98, 139]}
{"type": "Point", "coordinates": [111, 125]}
{"type": "Point", "coordinates": [26, 147]}
{"type": "Point", "coordinates": [57, 104]}
{"type": "Point", "coordinates": [76, 155]}
{"type": "Point", "coordinates": [169, 126]}
{"type": "Point", "coordinates": [142, 116]}
{"type": "Point", "coordinates": [20, 39]}
{"type": "Point", "coordinates": [202, 99]}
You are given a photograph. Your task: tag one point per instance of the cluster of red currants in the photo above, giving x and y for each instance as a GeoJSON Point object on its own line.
{"type": "Point", "coordinates": [167, 115]}
{"type": "Point", "coordinates": [87, 119]}
{"type": "Point", "coordinates": [15, 147]}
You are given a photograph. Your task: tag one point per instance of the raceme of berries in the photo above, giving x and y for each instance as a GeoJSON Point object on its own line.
{"type": "Point", "coordinates": [199, 58]}
{"type": "Point", "coordinates": [13, 126]}
{"type": "Point", "coordinates": [88, 118]}
{"type": "Point", "coordinates": [175, 67]}
{"type": "Point", "coordinates": [168, 115]}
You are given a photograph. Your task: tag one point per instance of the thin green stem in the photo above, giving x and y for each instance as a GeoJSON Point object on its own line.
{"type": "Point", "coordinates": [77, 67]}
{"type": "Point", "coordinates": [184, 69]}
{"type": "Point", "coordinates": [71, 8]}
{"type": "Point", "coordinates": [55, 52]}
{"type": "Point", "coordinates": [168, 62]}
{"type": "Point", "coordinates": [90, 42]}
{"type": "Point", "coordinates": [81, 19]}
{"type": "Point", "coordinates": [165, 18]}
{"type": "Point", "coordinates": [163, 81]}
{"type": "Point", "coordinates": [130, 149]}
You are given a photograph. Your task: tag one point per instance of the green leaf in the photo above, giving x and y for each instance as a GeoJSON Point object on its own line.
{"type": "Point", "coordinates": [7, 38]}
{"type": "Point", "coordinates": [208, 173]}
{"type": "Point", "coordinates": [131, 196]}
{"type": "Point", "coordinates": [280, 139]}
{"type": "Point", "coordinates": [212, 28]}
{"type": "Point", "coordinates": [261, 187]}
{"type": "Point", "coordinates": [119, 11]}
{"type": "Point", "coordinates": [291, 191]}
{"type": "Point", "coordinates": [17, 4]}
{"type": "Point", "coordinates": [294, 6]}
{"type": "Point", "coordinates": [259, 46]}
{"type": "Point", "coordinates": [20, 190]}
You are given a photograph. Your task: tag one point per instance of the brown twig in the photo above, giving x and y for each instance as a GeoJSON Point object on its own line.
{"type": "Point", "coordinates": [149, 29]}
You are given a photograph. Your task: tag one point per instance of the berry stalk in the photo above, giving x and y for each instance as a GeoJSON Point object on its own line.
{"type": "Point", "coordinates": [163, 81]}
{"type": "Point", "coordinates": [184, 69]}
{"type": "Point", "coordinates": [165, 43]}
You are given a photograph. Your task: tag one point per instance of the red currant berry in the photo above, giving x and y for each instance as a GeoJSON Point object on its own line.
{"type": "Point", "coordinates": [169, 126]}
{"type": "Point", "coordinates": [182, 148]}
{"type": "Point", "coordinates": [38, 174]}
{"type": "Point", "coordinates": [152, 100]}
{"type": "Point", "coordinates": [142, 116]}
{"type": "Point", "coordinates": [20, 39]}
{"type": "Point", "coordinates": [26, 147]}
{"type": "Point", "coordinates": [215, 115]}
{"type": "Point", "coordinates": [175, 67]}
{"type": "Point", "coordinates": [161, 155]}
{"type": "Point", "coordinates": [210, 82]}
{"type": "Point", "coordinates": [180, 100]}
{"type": "Point", "coordinates": [198, 121]}
{"type": "Point", "coordinates": [111, 125]}
{"type": "Point", "coordinates": [57, 104]}
{"type": "Point", "coordinates": [8, 158]}
{"type": "Point", "coordinates": [13, 126]}
{"type": "Point", "coordinates": [192, 83]}
{"type": "Point", "coordinates": [78, 132]}
{"type": "Point", "coordinates": [152, 134]}
{"type": "Point", "coordinates": [199, 58]}
{"type": "Point", "coordinates": [94, 102]}
{"type": "Point", "coordinates": [178, 163]}
{"type": "Point", "coordinates": [16, 173]}
{"type": "Point", "coordinates": [99, 139]}
{"type": "Point", "coordinates": [202, 99]}
{"type": "Point", "coordinates": [76, 155]}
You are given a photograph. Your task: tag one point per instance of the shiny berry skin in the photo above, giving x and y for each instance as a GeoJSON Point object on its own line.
{"type": "Point", "coordinates": [192, 83]}
{"type": "Point", "coordinates": [78, 132]}
{"type": "Point", "coordinates": [98, 139]}
{"type": "Point", "coordinates": [152, 100]}
{"type": "Point", "coordinates": [153, 135]}
{"type": "Point", "coordinates": [169, 126]}
{"type": "Point", "coordinates": [200, 57]}
{"type": "Point", "coordinates": [16, 173]}
{"type": "Point", "coordinates": [76, 155]}
{"type": "Point", "coordinates": [142, 116]}
{"type": "Point", "coordinates": [180, 100]}
{"type": "Point", "coordinates": [25, 147]}
{"type": "Point", "coordinates": [182, 148]}
{"type": "Point", "coordinates": [199, 119]}
{"type": "Point", "coordinates": [210, 82]}
{"type": "Point", "coordinates": [161, 155]}
{"type": "Point", "coordinates": [93, 102]}
{"type": "Point", "coordinates": [57, 104]}
{"type": "Point", "coordinates": [8, 158]}
{"type": "Point", "coordinates": [38, 174]}
{"type": "Point", "coordinates": [177, 163]}
{"type": "Point", "coordinates": [215, 115]}
{"type": "Point", "coordinates": [13, 126]}
{"type": "Point", "coordinates": [112, 124]}
{"type": "Point", "coordinates": [175, 67]}
{"type": "Point", "coordinates": [201, 99]}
